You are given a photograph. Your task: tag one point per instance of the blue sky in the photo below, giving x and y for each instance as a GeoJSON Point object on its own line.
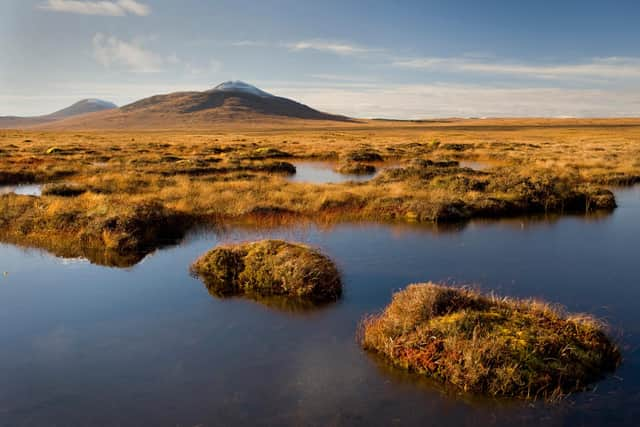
{"type": "Point", "coordinates": [399, 59]}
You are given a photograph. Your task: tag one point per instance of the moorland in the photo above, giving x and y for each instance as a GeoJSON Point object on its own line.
{"type": "Point", "coordinates": [114, 195]}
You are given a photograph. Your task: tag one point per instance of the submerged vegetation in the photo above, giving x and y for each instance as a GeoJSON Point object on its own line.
{"type": "Point", "coordinates": [269, 268]}
{"type": "Point", "coordinates": [234, 176]}
{"type": "Point", "coordinates": [490, 345]}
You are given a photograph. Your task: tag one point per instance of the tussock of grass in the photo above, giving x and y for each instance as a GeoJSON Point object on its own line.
{"type": "Point", "coordinates": [356, 168]}
{"type": "Point", "coordinates": [484, 344]}
{"type": "Point", "coordinates": [63, 190]}
{"type": "Point", "coordinates": [89, 225]}
{"type": "Point", "coordinates": [363, 155]}
{"type": "Point", "coordinates": [268, 268]}
{"type": "Point", "coordinates": [269, 153]}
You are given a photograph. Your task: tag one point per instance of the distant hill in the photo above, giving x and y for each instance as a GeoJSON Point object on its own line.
{"type": "Point", "coordinates": [85, 106]}
{"type": "Point", "coordinates": [232, 102]}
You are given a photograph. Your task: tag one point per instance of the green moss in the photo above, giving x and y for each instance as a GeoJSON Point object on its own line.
{"type": "Point", "coordinates": [483, 344]}
{"type": "Point", "coordinates": [269, 267]}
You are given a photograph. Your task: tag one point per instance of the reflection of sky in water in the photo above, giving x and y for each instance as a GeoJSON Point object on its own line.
{"type": "Point", "coordinates": [151, 341]}
{"type": "Point", "coordinates": [323, 173]}
{"type": "Point", "coordinates": [24, 189]}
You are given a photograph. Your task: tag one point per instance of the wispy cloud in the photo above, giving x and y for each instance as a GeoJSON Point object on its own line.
{"type": "Point", "coordinates": [249, 43]}
{"type": "Point", "coordinates": [104, 8]}
{"type": "Point", "coordinates": [418, 101]}
{"type": "Point", "coordinates": [111, 51]}
{"type": "Point", "coordinates": [342, 77]}
{"type": "Point", "coordinates": [596, 68]}
{"type": "Point", "coordinates": [338, 48]}
{"type": "Point", "coordinates": [402, 101]}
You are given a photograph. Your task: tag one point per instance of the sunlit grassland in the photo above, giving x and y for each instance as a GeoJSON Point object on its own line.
{"type": "Point", "coordinates": [126, 192]}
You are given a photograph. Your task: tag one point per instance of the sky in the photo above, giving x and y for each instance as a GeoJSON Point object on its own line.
{"type": "Point", "coordinates": [394, 59]}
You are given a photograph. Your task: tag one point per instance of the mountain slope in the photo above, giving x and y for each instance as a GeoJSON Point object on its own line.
{"type": "Point", "coordinates": [231, 102]}
{"type": "Point", "coordinates": [84, 106]}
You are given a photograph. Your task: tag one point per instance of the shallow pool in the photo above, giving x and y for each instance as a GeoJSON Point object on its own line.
{"type": "Point", "coordinates": [87, 345]}
{"type": "Point", "coordinates": [324, 172]}
{"type": "Point", "coordinates": [22, 189]}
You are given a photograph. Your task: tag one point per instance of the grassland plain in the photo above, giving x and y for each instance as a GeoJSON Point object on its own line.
{"type": "Point", "coordinates": [113, 195]}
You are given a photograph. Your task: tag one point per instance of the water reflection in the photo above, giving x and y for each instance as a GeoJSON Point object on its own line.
{"type": "Point", "coordinates": [22, 189]}
{"type": "Point", "coordinates": [153, 343]}
{"type": "Point", "coordinates": [324, 172]}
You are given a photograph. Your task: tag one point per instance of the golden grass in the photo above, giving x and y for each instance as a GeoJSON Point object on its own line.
{"type": "Point", "coordinates": [269, 268]}
{"type": "Point", "coordinates": [490, 345]}
{"type": "Point", "coordinates": [219, 176]}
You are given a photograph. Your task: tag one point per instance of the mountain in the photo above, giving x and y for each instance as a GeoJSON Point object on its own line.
{"type": "Point", "coordinates": [230, 103]}
{"type": "Point", "coordinates": [85, 106]}
{"type": "Point", "coordinates": [239, 86]}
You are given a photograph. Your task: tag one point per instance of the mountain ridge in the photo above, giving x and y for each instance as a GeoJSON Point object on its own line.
{"type": "Point", "coordinates": [229, 103]}
{"type": "Point", "coordinates": [84, 106]}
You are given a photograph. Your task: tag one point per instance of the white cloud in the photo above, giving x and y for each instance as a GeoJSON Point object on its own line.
{"type": "Point", "coordinates": [111, 51]}
{"type": "Point", "coordinates": [596, 68]}
{"type": "Point", "coordinates": [342, 77]}
{"type": "Point", "coordinates": [337, 48]}
{"type": "Point", "coordinates": [132, 6]}
{"type": "Point", "coordinates": [104, 8]}
{"type": "Point", "coordinates": [417, 101]}
{"type": "Point", "coordinates": [249, 43]}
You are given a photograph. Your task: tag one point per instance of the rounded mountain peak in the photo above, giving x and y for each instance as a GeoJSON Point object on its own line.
{"type": "Point", "coordinates": [240, 86]}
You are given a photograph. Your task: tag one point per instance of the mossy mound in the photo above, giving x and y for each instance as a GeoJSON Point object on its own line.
{"type": "Point", "coordinates": [63, 190]}
{"type": "Point", "coordinates": [275, 167]}
{"type": "Point", "coordinates": [269, 267]}
{"type": "Point", "coordinates": [489, 345]}
{"type": "Point", "coordinates": [115, 234]}
{"type": "Point", "coordinates": [363, 155]}
{"type": "Point", "coordinates": [426, 163]}
{"type": "Point", "coordinates": [269, 153]}
{"type": "Point", "coordinates": [355, 168]}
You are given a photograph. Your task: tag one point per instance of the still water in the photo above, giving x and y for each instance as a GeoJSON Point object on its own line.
{"type": "Point", "coordinates": [324, 172]}
{"type": "Point", "coordinates": [22, 189]}
{"type": "Point", "coordinates": [88, 345]}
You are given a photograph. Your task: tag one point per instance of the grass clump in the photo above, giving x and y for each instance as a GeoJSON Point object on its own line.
{"type": "Point", "coordinates": [356, 168]}
{"type": "Point", "coordinates": [363, 155]}
{"type": "Point", "coordinates": [269, 153]}
{"type": "Point", "coordinates": [106, 232]}
{"type": "Point", "coordinates": [495, 346]}
{"type": "Point", "coordinates": [269, 267]}
{"type": "Point", "coordinates": [63, 190]}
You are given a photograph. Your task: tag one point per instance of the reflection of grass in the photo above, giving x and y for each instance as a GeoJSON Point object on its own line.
{"type": "Point", "coordinates": [356, 168]}
{"type": "Point", "coordinates": [285, 304]}
{"type": "Point", "coordinates": [227, 176]}
{"type": "Point", "coordinates": [490, 345]}
{"type": "Point", "coordinates": [111, 233]}
{"type": "Point", "coordinates": [269, 268]}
